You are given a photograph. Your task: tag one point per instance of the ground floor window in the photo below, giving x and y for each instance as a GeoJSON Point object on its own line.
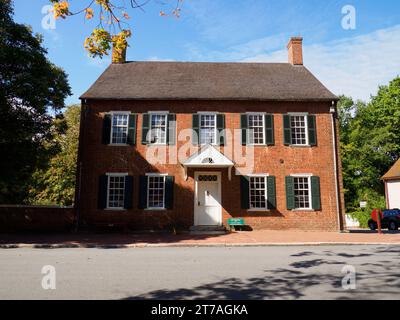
{"type": "Point", "coordinates": [116, 191]}
{"type": "Point", "coordinates": [258, 192]}
{"type": "Point", "coordinates": [156, 192]}
{"type": "Point", "coordinates": [302, 193]}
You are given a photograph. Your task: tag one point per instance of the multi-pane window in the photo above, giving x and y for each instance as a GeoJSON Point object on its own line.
{"type": "Point", "coordinates": [302, 193]}
{"type": "Point", "coordinates": [299, 129]}
{"type": "Point", "coordinates": [116, 191]}
{"type": "Point", "coordinates": [258, 192]}
{"type": "Point", "coordinates": [208, 128]}
{"type": "Point", "coordinates": [158, 127]}
{"type": "Point", "coordinates": [256, 128]}
{"type": "Point", "coordinates": [156, 192]}
{"type": "Point", "coordinates": [119, 132]}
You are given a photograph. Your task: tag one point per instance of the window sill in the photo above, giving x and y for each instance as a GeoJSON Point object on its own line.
{"type": "Point", "coordinates": [304, 210]}
{"type": "Point", "coordinates": [118, 144]}
{"type": "Point", "coordinates": [259, 210]}
{"type": "Point", "coordinates": [300, 146]}
{"type": "Point", "coordinates": [155, 209]}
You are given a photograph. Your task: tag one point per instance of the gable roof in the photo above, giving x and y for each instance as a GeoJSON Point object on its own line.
{"type": "Point", "coordinates": [208, 81]}
{"type": "Point", "coordinates": [394, 172]}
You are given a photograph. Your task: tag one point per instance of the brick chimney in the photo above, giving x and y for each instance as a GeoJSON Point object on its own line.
{"type": "Point", "coordinates": [295, 51]}
{"type": "Point", "coordinates": [118, 55]}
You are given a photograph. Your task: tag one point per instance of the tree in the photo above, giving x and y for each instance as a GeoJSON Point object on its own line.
{"type": "Point", "coordinates": [112, 28]}
{"type": "Point", "coordinates": [370, 143]}
{"type": "Point", "coordinates": [30, 85]}
{"type": "Point", "coordinates": [54, 184]}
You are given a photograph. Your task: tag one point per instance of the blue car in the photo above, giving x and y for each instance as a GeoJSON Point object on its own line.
{"type": "Point", "coordinates": [391, 220]}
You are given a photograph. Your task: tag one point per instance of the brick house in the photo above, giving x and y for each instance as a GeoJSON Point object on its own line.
{"type": "Point", "coordinates": [188, 145]}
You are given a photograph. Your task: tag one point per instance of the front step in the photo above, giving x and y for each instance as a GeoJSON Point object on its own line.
{"type": "Point", "coordinates": [207, 230]}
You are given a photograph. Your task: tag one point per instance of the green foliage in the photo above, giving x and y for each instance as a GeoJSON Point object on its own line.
{"type": "Point", "coordinates": [362, 216]}
{"type": "Point", "coordinates": [55, 183]}
{"type": "Point", "coordinates": [29, 86]}
{"type": "Point", "coordinates": [370, 144]}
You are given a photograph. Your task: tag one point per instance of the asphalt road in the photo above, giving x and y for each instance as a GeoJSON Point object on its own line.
{"type": "Point", "coordinates": [202, 273]}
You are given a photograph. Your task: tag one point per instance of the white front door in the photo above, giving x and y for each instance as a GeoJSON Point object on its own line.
{"type": "Point", "coordinates": [207, 202]}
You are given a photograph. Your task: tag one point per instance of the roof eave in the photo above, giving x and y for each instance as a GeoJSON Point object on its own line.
{"type": "Point", "coordinates": [335, 99]}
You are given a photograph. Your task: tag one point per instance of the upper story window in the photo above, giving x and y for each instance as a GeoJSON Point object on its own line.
{"type": "Point", "coordinates": [119, 128]}
{"type": "Point", "coordinates": [256, 128]}
{"type": "Point", "coordinates": [299, 129]}
{"type": "Point", "coordinates": [158, 128]}
{"type": "Point", "coordinates": [208, 128]}
{"type": "Point", "coordinates": [116, 191]}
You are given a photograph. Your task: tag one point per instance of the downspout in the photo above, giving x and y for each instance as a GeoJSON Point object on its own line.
{"type": "Point", "coordinates": [335, 166]}
{"type": "Point", "coordinates": [78, 180]}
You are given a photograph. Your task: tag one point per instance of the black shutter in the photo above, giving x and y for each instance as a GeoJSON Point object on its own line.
{"type": "Point", "coordinates": [221, 129]}
{"type": "Point", "coordinates": [132, 129]}
{"type": "Point", "coordinates": [312, 130]}
{"type": "Point", "coordinates": [243, 126]}
{"type": "Point", "coordinates": [102, 194]}
{"type": "Point", "coordinates": [196, 128]}
{"type": "Point", "coordinates": [106, 129]}
{"type": "Point", "coordinates": [269, 130]}
{"type": "Point", "coordinates": [287, 131]}
{"type": "Point", "coordinates": [289, 192]}
{"type": "Point", "coordinates": [315, 193]}
{"type": "Point", "coordinates": [169, 192]}
{"type": "Point", "coordinates": [145, 127]}
{"type": "Point", "coordinates": [143, 192]}
{"type": "Point", "coordinates": [171, 129]}
{"type": "Point", "coordinates": [271, 193]}
{"type": "Point", "coordinates": [244, 192]}
{"type": "Point", "coordinates": [128, 192]}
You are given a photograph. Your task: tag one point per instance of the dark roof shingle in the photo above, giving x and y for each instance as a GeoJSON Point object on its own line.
{"type": "Point", "coordinates": [208, 81]}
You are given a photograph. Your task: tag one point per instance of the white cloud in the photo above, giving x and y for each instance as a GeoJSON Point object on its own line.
{"type": "Point", "coordinates": [352, 66]}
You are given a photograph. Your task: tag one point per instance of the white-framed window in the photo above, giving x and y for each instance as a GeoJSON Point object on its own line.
{"type": "Point", "coordinates": [116, 190]}
{"type": "Point", "coordinates": [256, 127]}
{"type": "Point", "coordinates": [299, 126]}
{"type": "Point", "coordinates": [119, 128]}
{"type": "Point", "coordinates": [258, 198]}
{"type": "Point", "coordinates": [302, 192]}
{"type": "Point", "coordinates": [156, 191]}
{"type": "Point", "coordinates": [158, 128]}
{"type": "Point", "coordinates": [208, 128]}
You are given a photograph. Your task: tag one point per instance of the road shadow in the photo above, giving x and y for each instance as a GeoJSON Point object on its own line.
{"type": "Point", "coordinates": [301, 280]}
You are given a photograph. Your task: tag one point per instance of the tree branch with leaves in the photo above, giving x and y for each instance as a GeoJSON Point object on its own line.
{"type": "Point", "coordinates": [112, 28]}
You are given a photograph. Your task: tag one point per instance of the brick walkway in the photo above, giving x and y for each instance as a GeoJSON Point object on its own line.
{"type": "Point", "coordinates": [231, 239]}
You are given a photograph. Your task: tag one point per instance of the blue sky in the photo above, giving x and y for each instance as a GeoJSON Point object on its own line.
{"type": "Point", "coordinates": [352, 62]}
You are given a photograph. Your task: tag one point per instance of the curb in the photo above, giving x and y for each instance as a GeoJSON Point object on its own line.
{"type": "Point", "coordinates": [187, 245]}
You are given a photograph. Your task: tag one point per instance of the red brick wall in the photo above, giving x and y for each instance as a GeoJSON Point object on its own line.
{"type": "Point", "coordinates": [97, 159]}
{"type": "Point", "coordinates": [36, 218]}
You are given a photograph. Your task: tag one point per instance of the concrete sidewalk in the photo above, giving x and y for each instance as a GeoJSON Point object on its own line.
{"type": "Point", "coordinates": [253, 238]}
